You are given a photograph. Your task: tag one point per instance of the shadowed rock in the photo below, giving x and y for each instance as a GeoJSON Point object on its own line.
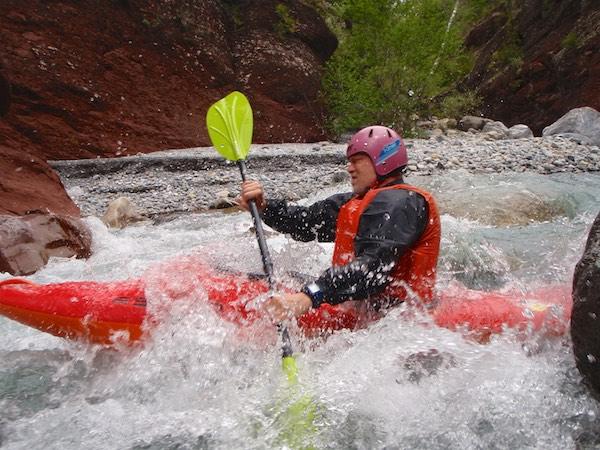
{"type": "Point", "coordinates": [536, 59]}
{"type": "Point", "coordinates": [26, 243]}
{"type": "Point", "coordinates": [4, 94]}
{"type": "Point", "coordinates": [585, 318]}
{"type": "Point", "coordinates": [427, 363]}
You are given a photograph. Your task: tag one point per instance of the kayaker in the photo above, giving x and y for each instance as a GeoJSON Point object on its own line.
{"type": "Point", "coordinates": [386, 232]}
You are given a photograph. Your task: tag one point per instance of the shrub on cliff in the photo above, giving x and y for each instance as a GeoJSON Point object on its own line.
{"type": "Point", "coordinates": [398, 60]}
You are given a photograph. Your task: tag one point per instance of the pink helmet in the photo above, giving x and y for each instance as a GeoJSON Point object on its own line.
{"type": "Point", "coordinates": [383, 145]}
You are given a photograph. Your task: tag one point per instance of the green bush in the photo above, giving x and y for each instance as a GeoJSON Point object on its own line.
{"type": "Point", "coordinates": [287, 24]}
{"type": "Point", "coordinates": [395, 59]}
{"type": "Point", "coordinates": [571, 41]}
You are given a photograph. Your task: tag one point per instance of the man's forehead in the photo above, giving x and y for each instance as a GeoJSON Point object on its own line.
{"type": "Point", "coordinates": [358, 157]}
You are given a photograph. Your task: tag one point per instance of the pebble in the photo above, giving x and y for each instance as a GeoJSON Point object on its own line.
{"type": "Point", "coordinates": [299, 170]}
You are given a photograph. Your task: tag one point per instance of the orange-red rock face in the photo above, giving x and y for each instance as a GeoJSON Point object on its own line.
{"type": "Point", "coordinates": [84, 79]}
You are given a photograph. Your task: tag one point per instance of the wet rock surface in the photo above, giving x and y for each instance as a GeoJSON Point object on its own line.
{"type": "Point", "coordinates": [37, 217]}
{"type": "Point", "coordinates": [28, 242]}
{"type": "Point", "coordinates": [585, 318]}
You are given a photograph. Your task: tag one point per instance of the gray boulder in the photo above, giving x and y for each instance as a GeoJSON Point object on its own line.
{"type": "Point", "coordinates": [27, 242]}
{"type": "Point", "coordinates": [472, 122]}
{"type": "Point", "coordinates": [497, 129]}
{"type": "Point", "coordinates": [120, 213]}
{"type": "Point", "coordinates": [580, 124]}
{"type": "Point", "coordinates": [520, 132]}
{"type": "Point", "coordinates": [585, 318]}
{"type": "Point", "coordinates": [223, 200]}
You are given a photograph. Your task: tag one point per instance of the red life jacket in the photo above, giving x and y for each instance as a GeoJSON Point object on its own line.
{"type": "Point", "coordinates": [414, 272]}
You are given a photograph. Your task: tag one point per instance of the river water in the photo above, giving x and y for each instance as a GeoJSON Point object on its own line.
{"type": "Point", "coordinates": [402, 383]}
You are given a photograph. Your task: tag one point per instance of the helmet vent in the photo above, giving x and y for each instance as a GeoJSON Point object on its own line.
{"type": "Point", "coordinates": [389, 134]}
{"type": "Point", "coordinates": [371, 132]}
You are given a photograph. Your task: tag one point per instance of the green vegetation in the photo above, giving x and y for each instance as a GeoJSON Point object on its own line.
{"type": "Point", "coordinates": [509, 55]}
{"type": "Point", "coordinates": [235, 12]}
{"type": "Point", "coordinates": [570, 41]}
{"type": "Point", "coordinates": [398, 60]}
{"type": "Point", "coordinates": [287, 24]}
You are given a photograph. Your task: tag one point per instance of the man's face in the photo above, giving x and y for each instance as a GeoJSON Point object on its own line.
{"type": "Point", "coordinates": [362, 173]}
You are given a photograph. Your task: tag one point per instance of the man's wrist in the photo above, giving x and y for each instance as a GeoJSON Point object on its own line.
{"type": "Point", "coordinates": [314, 292]}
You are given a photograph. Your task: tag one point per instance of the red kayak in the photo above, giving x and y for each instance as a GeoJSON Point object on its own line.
{"type": "Point", "coordinates": [98, 312]}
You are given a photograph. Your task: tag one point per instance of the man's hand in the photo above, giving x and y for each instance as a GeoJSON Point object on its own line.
{"type": "Point", "coordinates": [252, 190]}
{"type": "Point", "coordinates": [287, 306]}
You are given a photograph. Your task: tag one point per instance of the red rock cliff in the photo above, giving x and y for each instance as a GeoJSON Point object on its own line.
{"type": "Point", "coordinates": [87, 78]}
{"type": "Point", "coordinates": [537, 59]}
{"type": "Point", "coordinates": [115, 77]}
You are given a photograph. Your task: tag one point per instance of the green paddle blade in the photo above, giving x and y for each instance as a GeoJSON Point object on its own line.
{"type": "Point", "coordinates": [297, 412]}
{"type": "Point", "coordinates": [229, 123]}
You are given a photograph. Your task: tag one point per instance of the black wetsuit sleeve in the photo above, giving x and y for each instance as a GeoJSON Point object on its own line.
{"type": "Point", "coordinates": [391, 224]}
{"type": "Point", "coordinates": [305, 223]}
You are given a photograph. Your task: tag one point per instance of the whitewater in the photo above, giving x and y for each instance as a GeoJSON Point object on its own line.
{"type": "Point", "coordinates": [198, 382]}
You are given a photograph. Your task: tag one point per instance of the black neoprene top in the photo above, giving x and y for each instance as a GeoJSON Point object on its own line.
{"type": "Point", "coordinates": [391, 223]}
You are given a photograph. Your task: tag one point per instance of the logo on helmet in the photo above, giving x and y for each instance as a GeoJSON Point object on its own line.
{"type": "Point", "coordinates": [388, 151]}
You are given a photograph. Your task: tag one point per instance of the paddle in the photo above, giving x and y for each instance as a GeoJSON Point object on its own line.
{"type": "Point", "coordinates": [229, 122]}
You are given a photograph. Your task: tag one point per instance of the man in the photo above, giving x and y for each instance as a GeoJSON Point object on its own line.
{"type": "Point", "coordinates": [386, 233]}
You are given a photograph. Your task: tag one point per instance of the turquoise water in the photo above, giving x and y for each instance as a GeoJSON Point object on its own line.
{"type": "Point", "coordinates": [403, 383]}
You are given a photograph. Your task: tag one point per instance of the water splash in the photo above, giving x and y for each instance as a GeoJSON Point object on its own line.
{"type": "Point", "coordinates": [199, 382]}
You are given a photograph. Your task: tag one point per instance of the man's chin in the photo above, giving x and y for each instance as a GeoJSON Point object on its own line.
{"type": "Point", "coordinates": [358, 190]}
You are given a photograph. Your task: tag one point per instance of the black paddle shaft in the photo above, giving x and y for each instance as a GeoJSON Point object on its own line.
{"type": "Point", "coordinates": [266, 259]}
{"type": "Point", "coordinates": [260, 233]}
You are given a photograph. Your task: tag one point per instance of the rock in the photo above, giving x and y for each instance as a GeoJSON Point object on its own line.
{"type": "Point", "coordinates": [4, 94]}
{"type": "Point", "coordinates": [288, 79]}
{"type": "Point", "coordinates": [485, 29]}
{"type": "Point", "coordinates": [579, 121]}
{"type": "Point", "coordinates": [223, 201]}
{"type": "Point", "coordinates": [48, 225]}
{"type": "Point", "coordinates": [28, 242]}
{"type": "Point", "coordinates": [426, 364]}
{"type": "Point", "coordinates": [120, 213]}
{"type": "Point", "coordinates": [585, 317]}
{"type": "Point", "coordinates": [435, 133]}
{"type": "Point", "coordinates": [472, 122]}
{"type": "Point", "coordinates": [504, 207]}
{"type": "Point", "coordinates": [520, 132]}
{"type": "Point", "coordinates": [162, 65]}
{"type": "Point", "coordinates": [425, 124]}
{"type": "Point", "coordinates": [578, 138]}
{"type": "Point", "coordinates": [292, 196]}
{"type": "Point", "coordinates": [497, 129]}
{"type": "Point", "coordinates": [28, 183]}
{"type": "Point", "coordinates": [495, 135]}
{"type": "Point", "coordinates": [535, 60]}
{"type": "Point", "coordinates": [447, 124]}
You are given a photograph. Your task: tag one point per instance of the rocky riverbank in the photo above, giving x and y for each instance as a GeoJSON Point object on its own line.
{"type": "Point", "coordinates": [163, 184]}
